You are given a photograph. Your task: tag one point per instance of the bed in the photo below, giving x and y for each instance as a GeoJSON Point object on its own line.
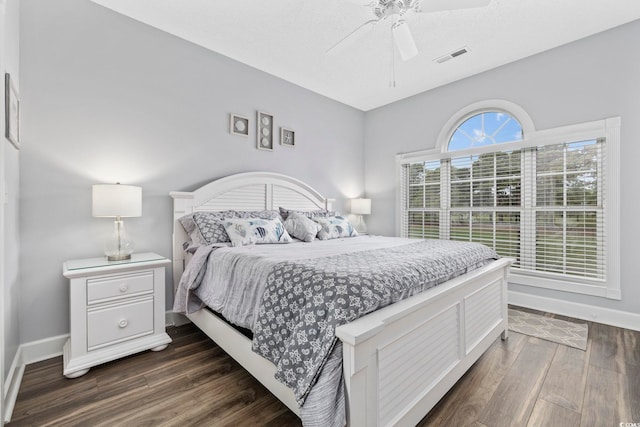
{"type": "Point", "coordinates": [432, 337]}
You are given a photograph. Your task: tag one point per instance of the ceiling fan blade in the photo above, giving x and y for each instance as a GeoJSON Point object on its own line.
{"type": "Point", "coordinates": [352, 37]}
{"type": "Point", "coordinates": [404, 40]}
{"type": "Point", "coordinates": [428, 6]}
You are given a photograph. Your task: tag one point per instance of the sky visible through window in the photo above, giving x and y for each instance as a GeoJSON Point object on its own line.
{"type": "Point", "coordinates": [484, 129]}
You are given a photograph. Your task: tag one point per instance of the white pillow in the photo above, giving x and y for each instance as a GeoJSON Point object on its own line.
{"type": "Point", "coordinates": [251, 231]}
{"type": "Point", "coordinates": [335, 227]}
{"type": "Point", "coordinates": [301, 227]}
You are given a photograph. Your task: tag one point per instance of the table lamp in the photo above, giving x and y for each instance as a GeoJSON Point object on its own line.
{"type": "Point", "coordinates": [117, 201]}
{"type": "Point", "coordinates": [360, 207]}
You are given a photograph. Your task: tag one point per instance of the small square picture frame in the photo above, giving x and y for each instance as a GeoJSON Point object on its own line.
{"type": "Point", "coordinates": [264, 131]}
{"type": "Point", "coordinates": [287, 137]}
{"type": "Point", "coordinates": [12, 112]}
{"type": "Point", "coordinates": [238, 125]}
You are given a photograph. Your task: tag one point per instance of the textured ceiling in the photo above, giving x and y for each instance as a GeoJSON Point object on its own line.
{"type": "Point", "coordinates": [289, 39]}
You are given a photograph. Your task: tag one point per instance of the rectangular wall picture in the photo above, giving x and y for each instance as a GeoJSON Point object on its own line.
{"type": "Point", "coordinates": [287, 137]}
{"type": "Point", "coordinates": [264, 128]}
{"type": "Point", "coordinates": [238, 125]}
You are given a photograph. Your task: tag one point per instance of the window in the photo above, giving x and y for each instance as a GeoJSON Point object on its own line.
{"type": "Point", "coordinates": [539, 197]}
{"type": "Point", "coordinates": [489, 127]}
{"type": "Point", "coordinates": [569, 213]}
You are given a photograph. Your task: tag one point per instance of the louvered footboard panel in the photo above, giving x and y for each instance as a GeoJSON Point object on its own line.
{"type": "Point", "coordinates": [483, 311]}
{"type": "Point", "coordinates": [416, 361]}
{"type": "Point", "coordinates": [400, 360]}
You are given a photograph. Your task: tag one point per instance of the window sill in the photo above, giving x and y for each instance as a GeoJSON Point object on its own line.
{"type": "Point", "coordinates": [587, 287]}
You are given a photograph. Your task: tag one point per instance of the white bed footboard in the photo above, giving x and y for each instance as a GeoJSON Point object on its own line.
{"type": "Point", "coordinates": [399, 361]}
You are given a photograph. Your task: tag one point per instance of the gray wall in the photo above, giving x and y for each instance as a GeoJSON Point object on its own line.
{"type": "Point", "coordinates": [591, 79]}
{"type": "Point", "coordinates": [108, 99]}
{"type": "Point", "coordinates": [9, 174]}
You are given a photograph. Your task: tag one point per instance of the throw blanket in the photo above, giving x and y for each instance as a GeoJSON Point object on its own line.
{"type": "Point", "coordinates": [306, 300]}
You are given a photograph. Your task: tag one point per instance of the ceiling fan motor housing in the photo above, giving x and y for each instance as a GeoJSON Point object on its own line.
{"type": "Point", "coordinates": [385, 8]}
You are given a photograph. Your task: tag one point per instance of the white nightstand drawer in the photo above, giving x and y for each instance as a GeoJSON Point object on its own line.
{"type": "Point", "coordinates": [115, 323]}
{"type": "Point", "coordinates": [123, 285]}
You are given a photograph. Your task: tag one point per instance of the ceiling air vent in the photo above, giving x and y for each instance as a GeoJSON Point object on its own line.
{"type": "Point", "coordinates": [452, 55]}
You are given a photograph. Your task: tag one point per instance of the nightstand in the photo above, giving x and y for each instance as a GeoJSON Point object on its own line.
{"type": "Point", "coordinates": [117, 309]}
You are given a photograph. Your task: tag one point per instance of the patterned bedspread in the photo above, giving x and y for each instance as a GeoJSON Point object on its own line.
{"type": "Point", "coordinates": [304, 301]}
{"type": "Point", "coordinates": [294, 296]}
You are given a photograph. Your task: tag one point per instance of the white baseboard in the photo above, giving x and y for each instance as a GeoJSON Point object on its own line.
{"type": "Point", "coordinates": [37, 351]}
{"type": "Point", "coordinates": [12, 384]}
{"type": "Point", "coordinates": [27, 353]}
{"type": "Point", "coordinates": [607, 316]}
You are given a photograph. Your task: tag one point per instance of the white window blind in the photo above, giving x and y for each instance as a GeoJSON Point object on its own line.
{"type": "Point", "coordinates": [569, 209]}
{"type": "Point", "coordinates": [423, 199]}
{"type": "Point", "coordinates": [485, 203]}
{"type": "Point", "coordinates": [482, 202]}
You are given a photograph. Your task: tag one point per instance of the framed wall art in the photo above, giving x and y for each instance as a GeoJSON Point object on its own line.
{"type": "Point", "coordinates": [11, 111]}
{"type": "Point", "coordinates": [238, 125]}
{"type": "Point", "coordinates": [264, 129]}
{"type": "Point", "coordinates": [287, 137]}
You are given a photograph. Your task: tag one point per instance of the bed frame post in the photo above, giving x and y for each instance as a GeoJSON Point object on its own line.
{"type": "Point", "coordinates": [182, 205]}
{"type": "Point", "coordinates": [505, 297]}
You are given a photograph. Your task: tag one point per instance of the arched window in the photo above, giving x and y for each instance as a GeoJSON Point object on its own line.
{"type": "Point", "coordinates": [538, 197]}
{"type": "Point", "coordinates": [486, 128]}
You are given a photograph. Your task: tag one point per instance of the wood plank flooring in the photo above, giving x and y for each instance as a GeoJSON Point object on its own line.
{"type": "Point", "coordinates": [523, 381]}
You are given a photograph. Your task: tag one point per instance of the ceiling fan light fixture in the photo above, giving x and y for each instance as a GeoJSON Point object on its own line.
{"type": "Point", "coordinates": [404, 40]}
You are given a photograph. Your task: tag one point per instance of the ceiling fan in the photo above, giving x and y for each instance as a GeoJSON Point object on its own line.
{"type": "Point", "coordinates": [398, 10]}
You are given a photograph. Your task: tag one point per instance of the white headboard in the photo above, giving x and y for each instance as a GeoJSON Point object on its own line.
{"type": "Point", "coordinates": [251, 191]}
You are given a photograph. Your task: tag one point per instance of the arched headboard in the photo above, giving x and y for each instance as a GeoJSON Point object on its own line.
{"type": "Point", "coordinates": [250, 191]}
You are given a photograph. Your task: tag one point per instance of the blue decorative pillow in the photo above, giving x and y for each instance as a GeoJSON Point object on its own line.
{"type": "Point", "coordinates": [243, 232]}
{"type": "Point", "coordinates": [335, 227]}
{"type": "Point", "coordinates": [206, 227]}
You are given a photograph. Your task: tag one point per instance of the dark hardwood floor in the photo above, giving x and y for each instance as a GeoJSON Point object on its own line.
{"type": "Point", "coordinates": [523, 381]}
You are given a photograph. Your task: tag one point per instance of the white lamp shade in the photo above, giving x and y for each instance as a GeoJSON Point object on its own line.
{"type": "Point", "coordinates": [113, 200]}
{"type": "Point", "coordinates": [361, 206]}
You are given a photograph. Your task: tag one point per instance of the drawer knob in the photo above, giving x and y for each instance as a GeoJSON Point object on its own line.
{"type": "Point", "coordinates": [124, 287]}
{"type": "Point", "coordinates": [123, 323]}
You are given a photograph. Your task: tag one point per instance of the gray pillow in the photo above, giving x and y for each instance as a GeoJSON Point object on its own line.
{"type": "Point", "coordinates": [301, 227]}
{"type": "Point", "coordinates": [319, 213]}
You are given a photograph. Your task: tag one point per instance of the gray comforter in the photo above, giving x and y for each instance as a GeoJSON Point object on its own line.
{"type": "Point", "coordinates": [294, 302]}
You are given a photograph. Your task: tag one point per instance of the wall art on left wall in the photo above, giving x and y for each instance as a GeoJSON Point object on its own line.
{"type": "Point", "coordinates": [11, 112]}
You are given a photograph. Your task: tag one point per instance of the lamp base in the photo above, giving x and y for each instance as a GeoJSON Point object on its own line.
{"type": "Point", "coordinates": [360, 226]}
{"type": "Point", "coordinates": [119, 247]}
{"type": "Point", "coordinates": [118, 257]}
